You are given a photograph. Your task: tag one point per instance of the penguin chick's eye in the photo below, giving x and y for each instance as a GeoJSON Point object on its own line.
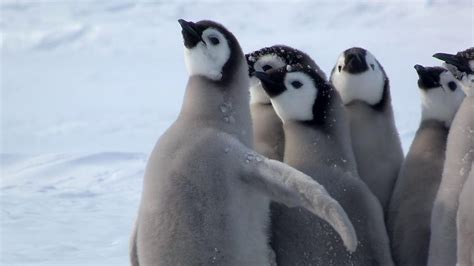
{"type": "Point", "coordinates": [340, 68]}
{"type": "Point", "coordinates": [214, 40]}
{"type": "Point", "coordinates": [452, 86]}
{"type": "Point", "coordinates": [296, 84]}
{"type": "Point", "coordinates": [266, 67]}
{"type": "Point", "coordinates": [372, 66]}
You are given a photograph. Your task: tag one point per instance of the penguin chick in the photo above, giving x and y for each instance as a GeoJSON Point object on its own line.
{"type": "Point", "coordinates": [409, 216]}
{"type": "Point", "coordinates": [458, 163]}
{"type": "Point", "coordinates": [364, 88]}
{"type": "Point", "coordinates": [317, 142]}
{"type": "Point", "coordinates": [462, 65]}
{"type": "Point", "coordinates": [267, 127]}
{"type": "Point", "coordinates": [206, 193]}
{"type": "Point", "coordinates": [465, 223]}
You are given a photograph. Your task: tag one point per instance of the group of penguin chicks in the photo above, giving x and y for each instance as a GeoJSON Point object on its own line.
{"type": "Point", "coordinates": [307, 171]}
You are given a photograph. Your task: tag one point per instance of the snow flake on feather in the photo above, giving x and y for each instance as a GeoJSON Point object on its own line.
{"type": "Point", "coordinates": [252, 157]}
{"type": "Point", "coordinates": [227, 112]}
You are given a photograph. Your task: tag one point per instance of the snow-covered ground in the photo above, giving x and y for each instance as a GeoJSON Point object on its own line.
{"type": "Point", "coordinates": [87, 87]}
{"type": "Point", "coordinates": [64, 209]}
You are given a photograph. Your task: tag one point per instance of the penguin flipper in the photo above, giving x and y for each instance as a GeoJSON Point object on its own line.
{"type": "Point", "coordinates": [284, 184]}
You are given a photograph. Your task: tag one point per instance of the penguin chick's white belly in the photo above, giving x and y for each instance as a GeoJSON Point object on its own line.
{"type": "Point", "coordinates": [191, 217]}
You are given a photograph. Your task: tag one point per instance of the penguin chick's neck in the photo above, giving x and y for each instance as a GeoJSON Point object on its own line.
{"type": "Point", "coordinates": [305, 141]}
{"type": "Point", "coordinates": [431, 123]}
{"type": "Point", "coordinates": [435, 105]}
{"type": "Point", "coordinates": [430, 113]}
{"type": "Point", "coordinates": [222, 106]}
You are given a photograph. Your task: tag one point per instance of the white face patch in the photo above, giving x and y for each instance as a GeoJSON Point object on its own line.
{"type": "Point", "coordinates": [296, 102]}
{"type": "Point", "coordinates": [264, 63]}
{"type": "Point", "coordinates": [366, 86]}
{"type": "Point", "coordinates": [442, 103]}
{"type": "Point", "coordinates": [208, 59]}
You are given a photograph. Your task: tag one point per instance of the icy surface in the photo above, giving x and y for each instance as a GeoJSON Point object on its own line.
{"type": "Point", "coordinates": [81, 78]}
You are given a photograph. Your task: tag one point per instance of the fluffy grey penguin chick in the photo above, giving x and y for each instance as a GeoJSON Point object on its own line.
{"type": "Point", "coordinates": [268, 133]}
{"type": "Point", "coordinates": [409, 216]}
{"type": "Point", "coordinates": [365, 91]}
{"type": "Point", "coordinates": [458, 163]}
{"type": "Point", "coordinates": [317, 142]}
{"type": "Point", "coordinates": [269, 138]}
{"type": "Point", "coordinates": [206, 193]}
{"type": "Point", "coordinates": [465, 223]}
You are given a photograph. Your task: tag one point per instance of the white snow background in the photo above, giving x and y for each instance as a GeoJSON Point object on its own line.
{"type": "Point", "coordinates": [87, 87]}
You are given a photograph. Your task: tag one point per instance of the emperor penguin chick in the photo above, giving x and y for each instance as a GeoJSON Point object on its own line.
{"type": "Point", "coordinates": [465, 223]}
{"type": "Point", "coordinates": [409, 215]}
{"type": "Point", "coordinates": [206, 193]}
{"type": "Point", "coordinates": [268, 133]}
{"type": "Point", "coordinates": [364, 88]}
{"type": "Point", "coordinates": [458, 163]}
{"type": "Point", "coordinates": [317, 142]}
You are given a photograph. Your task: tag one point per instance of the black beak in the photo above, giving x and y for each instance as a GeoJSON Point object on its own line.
{"type": "Point", "coordinates": [354, 62]}
{"type": "Point", "coordinates": [191, 35]}
{"type": "Point", "coordinates": [421, 70]}
{"type": "Point", "coordinates": [270, 83]}
{"type": "Point", "coordinates": [461, 64]}
{"type": "Point", "coordinates": [427, 78]}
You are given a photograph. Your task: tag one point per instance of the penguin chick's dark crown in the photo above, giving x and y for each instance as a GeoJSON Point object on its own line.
{"type": "Point", "coordinates": [192, 35]}
{"type": "Point", "coordinates": [273, 82]}
{"type": "Point", "coordinates": [354, 60]}
{"type": "Point", "coordinates": [430, 77]}
{"type": "Point", "coordinates": [289, 55]}
{"type": "Point", "coordinates": [460, 60]}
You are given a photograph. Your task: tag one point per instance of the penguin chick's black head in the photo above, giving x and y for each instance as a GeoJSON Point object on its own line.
{"type": "Point", "coordinates": [272, 81]}
{"type": "Point", "coordinates": [298, 93]}
{"type": "Point", "coordinates": [278, 56]}
{"type": "Point", "coordinates": [463, 61]}
{"type": "Point", "coordinates": [191, 33]}
{"type": "Point", "coordinates": [210, 50]}
{"type": "Point", "coordinates": [354, 60]}
{"type": "Point", "coordinates": [429, 77]}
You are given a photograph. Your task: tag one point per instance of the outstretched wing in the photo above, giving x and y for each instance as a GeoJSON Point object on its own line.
{"type": "Point", "coordinates": [286, 185]}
